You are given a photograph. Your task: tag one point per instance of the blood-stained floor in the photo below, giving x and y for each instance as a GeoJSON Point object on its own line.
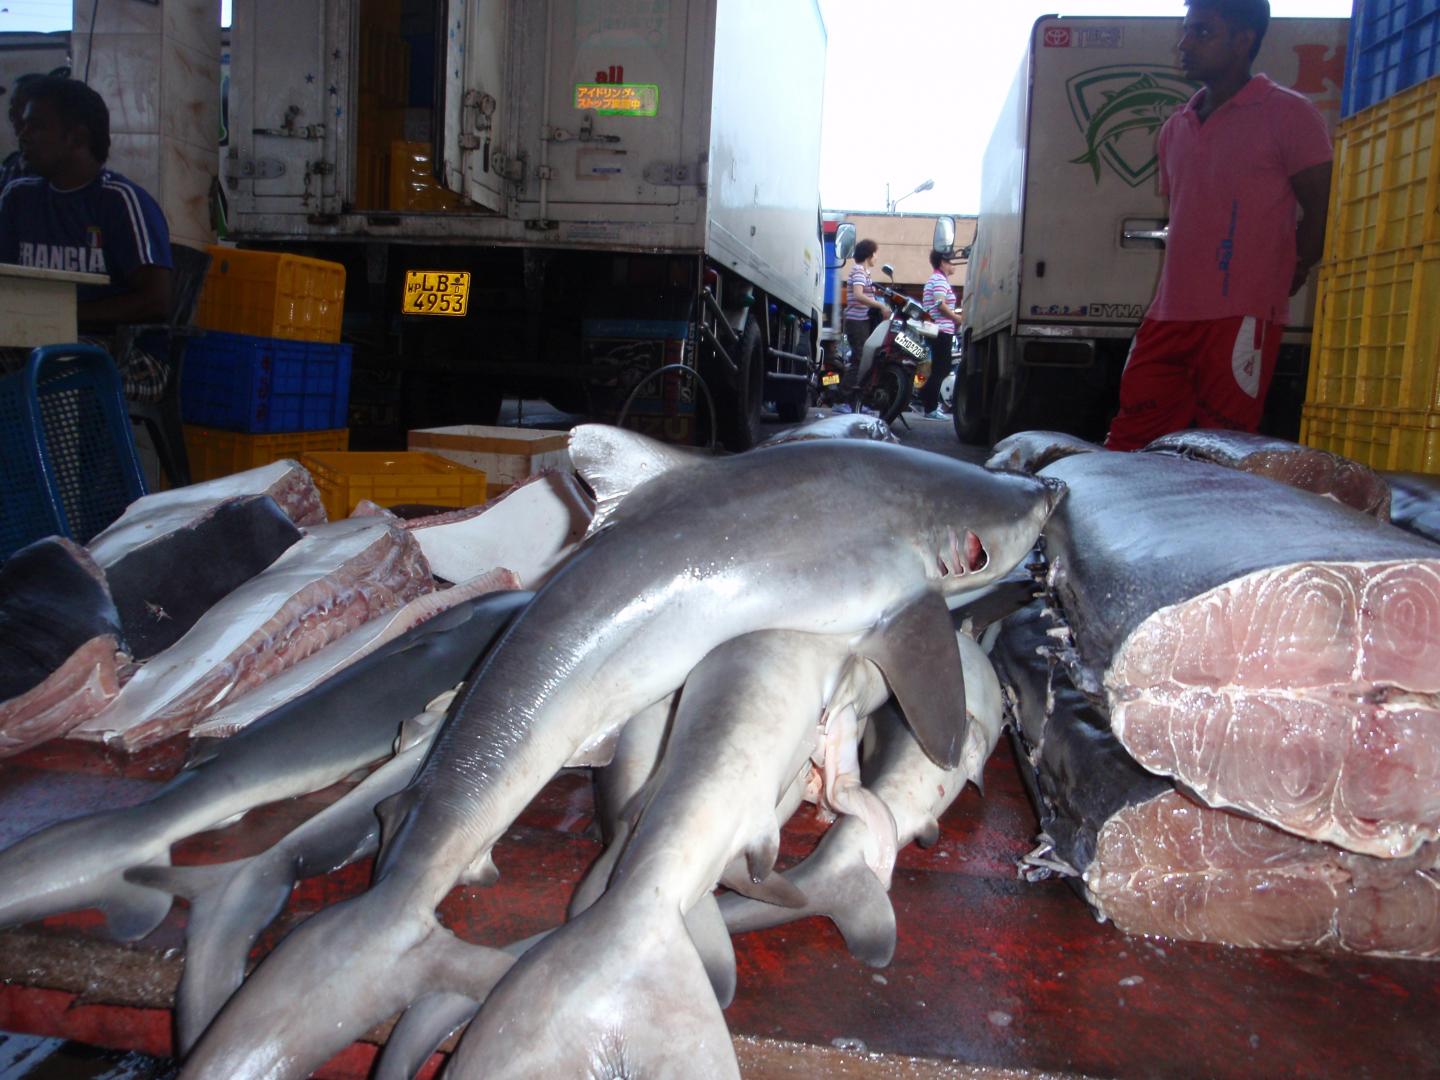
{"type": "Point", "coordinates": [990, 971]}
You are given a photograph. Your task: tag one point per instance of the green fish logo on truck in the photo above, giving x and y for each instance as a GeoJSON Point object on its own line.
{"type": "Point", "coordinates": [1113, 105]}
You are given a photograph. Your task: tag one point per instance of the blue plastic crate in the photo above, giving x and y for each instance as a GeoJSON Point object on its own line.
{"type": "Point", "coordinates": [70, 465]}
{"type": "Point", "coordinates": [1394, 44]}
{"type": "Point", "coordinates": [259, 385]}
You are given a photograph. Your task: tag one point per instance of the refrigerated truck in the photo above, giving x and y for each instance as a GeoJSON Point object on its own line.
{"type": "Point", "coordinates": [1070, 238]}
{"type": "Point", "coordinates": [552, 197]}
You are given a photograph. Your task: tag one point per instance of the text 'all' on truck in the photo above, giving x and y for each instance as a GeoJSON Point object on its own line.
{"type": "Point", "coordinates": [1070, 238]}
{"type": "Point", "coordinates": [553, 198]}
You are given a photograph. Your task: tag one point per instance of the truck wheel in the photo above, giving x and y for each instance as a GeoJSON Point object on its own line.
{"type": "Point", "coordinates": [739, 405]}
{"type": "Point", "coordinates": [792, 410]}
{"type": "Point", "coordinates": [1003, 408]}
{"type": "Point", "coordinates": [972, 424]}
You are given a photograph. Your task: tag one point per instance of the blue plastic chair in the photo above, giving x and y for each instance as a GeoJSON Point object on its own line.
{"type": "Point", "coordinates": [70, 466]}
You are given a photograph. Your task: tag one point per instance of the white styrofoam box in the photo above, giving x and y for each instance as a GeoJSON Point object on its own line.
{"type": "Point", "coordinates": [508, 455]}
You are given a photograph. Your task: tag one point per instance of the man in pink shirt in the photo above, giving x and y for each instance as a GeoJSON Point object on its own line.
{"type": "Point", "coordinates": [1235, 163]}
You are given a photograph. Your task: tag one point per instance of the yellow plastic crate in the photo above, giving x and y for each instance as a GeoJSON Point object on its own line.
{"type": "Point", "coordinates": [412, 179]}
{"type": "Point", "coordinates": [391, 478]}
{"type": "Point", "coordinates": [1385, 193]}
{"type": "Point", "coordinates": [215, 453]}
{"type": "Point", "coordinates": [272, 294]}
{"type": "Point", "coordinates": [1377, 332]}
{"type": "Point", "coordinates": [1389, 439]}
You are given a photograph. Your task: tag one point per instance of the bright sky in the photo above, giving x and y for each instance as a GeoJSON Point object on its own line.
{"type": "Point", "coordinates": [950, 60]}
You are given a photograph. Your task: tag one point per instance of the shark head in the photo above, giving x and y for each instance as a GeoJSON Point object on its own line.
{"type": "Point", "coordinates": [980, 533]}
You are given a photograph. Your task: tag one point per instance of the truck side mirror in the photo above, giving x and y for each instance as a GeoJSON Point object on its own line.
{"type": "Point", "coordinates": [844, 241]}
{"type": "Point", "coordinates": [944, 238]}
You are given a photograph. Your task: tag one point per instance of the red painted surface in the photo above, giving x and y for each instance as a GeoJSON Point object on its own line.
{"type": "Point", "coordinates": [989, 970]}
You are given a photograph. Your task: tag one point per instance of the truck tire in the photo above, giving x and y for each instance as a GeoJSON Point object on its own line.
{"type": "Point", "coordinates": [972, 421]}
{"type": "Point", "coordinates": [739, 404]}
{"type": "Point", "coordinates": [792, 409]}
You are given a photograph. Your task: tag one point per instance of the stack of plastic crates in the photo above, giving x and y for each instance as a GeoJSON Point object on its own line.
{"type": "Point", "coordinates": [269, 379]}
{"type": "Point", "coordinates": [1374, 388]}
{"type": "Point", "coordinates": [70, 464]}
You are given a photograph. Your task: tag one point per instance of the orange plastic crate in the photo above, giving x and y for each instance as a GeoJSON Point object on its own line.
{"type": "Point", "coordinates": [1389, 439]}
{"type": "Point", "coordinates": [272, 294]}
{"type": "Point", "coordinates": [215, 453]}
{"type": "Point", "coordinates": [1385, 194]}
{"type": "Point", "coordinates": [391, 478]}
{"type": "Point", "coordinates": [1377, 332]}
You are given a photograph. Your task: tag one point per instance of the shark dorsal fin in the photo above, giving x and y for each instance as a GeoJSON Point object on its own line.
{"type": "Point", "coordinates": [615, 461]}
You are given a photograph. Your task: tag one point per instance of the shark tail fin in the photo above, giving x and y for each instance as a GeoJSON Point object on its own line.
{"type": "Point", "coordinates": [838, 885]}
{"type": "Point", "coordinates": [420, 1032]}
{"type": "Point", "coordinates": [621, 1007]}
{"type": "Point", "coordinates": [230, 904]}
{"type": "Point", "coordinates": [353, 965]}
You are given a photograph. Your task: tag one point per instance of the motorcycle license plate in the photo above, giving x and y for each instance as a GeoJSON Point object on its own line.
{"type": "Point", "coordinates": [436, 292]}
{"type": "Point", "coordinates": [911, 346]}
{"type": "Point", "coordinates": [830, 378]}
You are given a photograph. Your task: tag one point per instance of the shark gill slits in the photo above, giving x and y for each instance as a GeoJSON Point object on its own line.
{"type": "Point", "coordinates": [976, 558]}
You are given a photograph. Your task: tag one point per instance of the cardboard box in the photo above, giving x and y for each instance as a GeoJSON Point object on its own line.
{"type": "Point", "coordinates": [507, 455]}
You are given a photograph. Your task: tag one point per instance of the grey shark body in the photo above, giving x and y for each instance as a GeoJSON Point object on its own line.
{"type": "Point", "coordinates": [704, 551]}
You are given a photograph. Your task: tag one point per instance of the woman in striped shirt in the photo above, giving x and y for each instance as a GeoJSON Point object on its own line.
{"type": "Point", "coordinates": [859, 303]}
{"type": "Point", "coordinates": [939, 303]}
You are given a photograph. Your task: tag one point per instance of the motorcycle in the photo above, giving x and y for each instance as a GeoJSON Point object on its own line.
{"type": "Point", "coordinates": [885, 379]}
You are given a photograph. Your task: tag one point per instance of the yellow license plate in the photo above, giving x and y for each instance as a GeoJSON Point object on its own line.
{"type": "Point", "coordinates": [436, 292]}
{"type": "Point", "coordinates": [830, 378]}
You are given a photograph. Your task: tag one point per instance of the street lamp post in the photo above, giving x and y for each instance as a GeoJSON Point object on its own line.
{"type": "Point", "coordinates": [924, 185]}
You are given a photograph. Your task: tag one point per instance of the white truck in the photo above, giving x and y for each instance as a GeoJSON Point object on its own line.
{"type": "Point", "coordinates": [553, 197]}
{"type": "Point", "coordinates": [1072, 225]}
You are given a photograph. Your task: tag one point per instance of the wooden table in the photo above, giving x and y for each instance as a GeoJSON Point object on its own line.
{"type": "Point", "coordinates": [37, 307]}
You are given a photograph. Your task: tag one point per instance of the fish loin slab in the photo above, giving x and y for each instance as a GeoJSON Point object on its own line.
{"type": "Point", "coordinates": [59, 632]}
{"type": "Point", "coordinates": [1349, 482]}
{"type": "Point", "coordinates": [1273, 650]}
{"type": "Point", "coordinates": [1153, 861]}
{"type": "Point", "coordinates": [334, 580]}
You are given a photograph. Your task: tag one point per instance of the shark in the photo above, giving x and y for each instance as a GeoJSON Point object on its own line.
{"type": "Point", "coordinates": [684, 554]}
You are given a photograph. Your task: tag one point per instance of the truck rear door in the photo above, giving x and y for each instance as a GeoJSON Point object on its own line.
{"type": "Point", "coordinates": [1102, 88]}
{"type": "Point", "coordinates": [289, 111]}
{"type": "Point", "coordinates": [474, 104]}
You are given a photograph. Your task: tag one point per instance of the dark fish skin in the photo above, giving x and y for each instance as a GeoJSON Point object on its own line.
{"type": "Point", "coordinates": [53, 599]}
{"type": "Point", "coordinates": [1078, 774]}
{"type": "Point", "coordinates": [162, 587]}
{"type": "Point", "coordinates": [1415, 503]}
{"type": "Point", "coordinates": [1139, 532]}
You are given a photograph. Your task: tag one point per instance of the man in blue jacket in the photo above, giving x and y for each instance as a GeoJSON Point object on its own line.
{"type": "Point", "coordinates": [75, 214]}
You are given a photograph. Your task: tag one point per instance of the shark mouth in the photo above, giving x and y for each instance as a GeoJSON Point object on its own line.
{"type": "Point", "coordinates": [962, 556]}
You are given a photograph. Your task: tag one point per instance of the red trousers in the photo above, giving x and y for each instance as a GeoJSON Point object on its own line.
{"type": "Point", "coordinates": [1210, 374]}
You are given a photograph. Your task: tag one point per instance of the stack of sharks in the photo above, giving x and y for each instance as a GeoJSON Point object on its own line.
{"type": "Point", "coordinates": [1230, 705]}
{"type": "Point", "coordinates": [696, 645]}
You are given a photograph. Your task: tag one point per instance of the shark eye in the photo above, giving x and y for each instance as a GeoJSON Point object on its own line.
{"type": "Point", "coordinates": [976, 557]}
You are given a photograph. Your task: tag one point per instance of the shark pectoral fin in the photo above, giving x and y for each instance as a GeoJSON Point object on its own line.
{"type": "Point", "coordinates": [761, 853]}
{"type": "Point", "coordinates": [186, 881]}
{"type": "Point", "coordinates": [598, 752]}
{"type": "Point", "coordinates": [597, 879]}
{"type": "Point", "coordinates": [132, 911]}
{"type": "Point", "coordinates": [775, 889]}
{"type": "Point", "coordinates": [915, 649]}
{"type": "Point", "coordinates": [419, 1033]}
{"type": "Point", "coordinates": [482, 871]}
{"type": "Point", "coordinates": [614, 461]}
{"type": "Point", "coordinates": [392, 812]}
{"type": "Point", "coordinates": [712, 941]}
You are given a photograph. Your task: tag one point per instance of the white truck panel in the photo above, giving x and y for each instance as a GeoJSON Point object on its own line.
{"type": "Point", "coordinates": [764, 197]}
{"type": "Point", "coordinates": [722, 167]}
{"type": "Point", "coordinates": [1091, 96]}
